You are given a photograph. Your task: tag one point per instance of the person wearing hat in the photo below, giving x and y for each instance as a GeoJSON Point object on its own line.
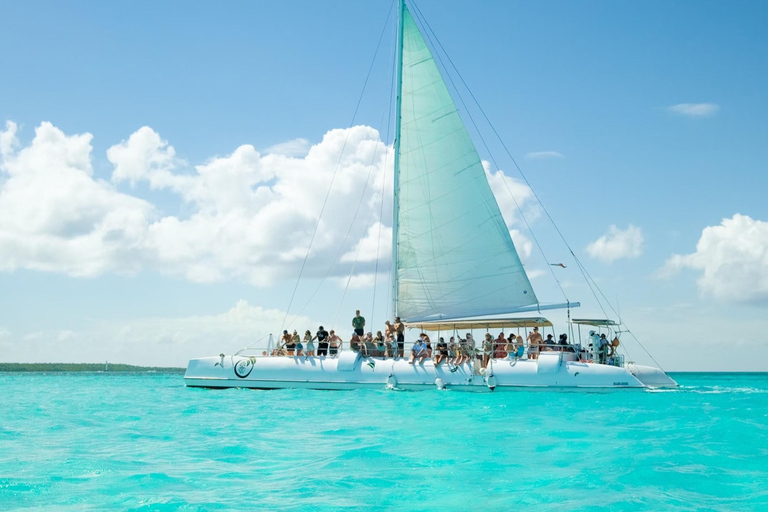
{"type": "Point", "coordinates": [297, 343]}
{"type": "Point", "coordinates": [549, 341]}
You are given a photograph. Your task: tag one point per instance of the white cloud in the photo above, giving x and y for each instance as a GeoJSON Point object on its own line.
{"type": "Point", "coordinates": [251, 215]}
{"type": "Point", "coordinates": [54, 216]}
{"type": "Point", "coordinates": [617, 244]}
{"type": "Point", "coordinates": [543, 155]}
{"type": "Point", "coordinates": [295, 148]}
{"type": "Point", "coordinates": [361, 281]}
{"type": "Point", "coordinates": [143, 156]}
{"type": "Point", "coordinates": [377, 242]}
{"type": "Point", "coordinates": [8, 140]}
{"type": "Point", "coordinates": [154, 341]}
{"type": "Point", "coordinates": [694, 109]}
{"type": "Point", "coordinates": [512, 194]}
{"type": "Point", "coordinates": [733, 260]}
{"type": "Point", "coordinates": [523, 244]}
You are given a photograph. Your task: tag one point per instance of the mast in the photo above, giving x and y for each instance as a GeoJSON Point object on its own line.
{"type": "Point", "coordinates": [396, 206]}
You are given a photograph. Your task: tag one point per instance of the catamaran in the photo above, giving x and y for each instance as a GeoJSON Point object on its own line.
{"type": "Point", "coordinates": [455, 269]}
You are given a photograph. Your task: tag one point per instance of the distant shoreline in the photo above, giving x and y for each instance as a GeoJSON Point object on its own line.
{"type": "Point", "coordinates": [84, 367]}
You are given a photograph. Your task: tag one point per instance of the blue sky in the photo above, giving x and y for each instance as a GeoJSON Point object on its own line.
{"type": "Point", "coordinates": [592, 81]}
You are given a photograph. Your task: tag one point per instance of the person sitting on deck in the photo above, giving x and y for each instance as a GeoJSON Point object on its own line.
{"type": "Point", "coordinates": [334, 344]}
{"type": "Point", "coordinates": [354, 342]}
{"type": "Point", "coordinates": [419, 350]}
{"type": "Point", "coordinates": [468, 348]}
{"type": "Point", "coordinates": [310, 345]}
{"type": "Point", "coordinates": [367, 344]}
{"type": "Point", "coordinates": [287, 341]}
{"type": "Point", "coordinates": [297, 342]}
{"type": "Point", "coordinates": [428, 343]}
{"type": "Point", "coordinates": [487, 349]}
{"type": "Point", "coordinates": [442, 352]}
{"type": "Point", "coordinates": [546, 346]}
{"type": "Point", "coordinates": [534, 339]}
{"type": "Point", "coordinates": [455, 351]}
{"type": "Point", "coordinates": [501, 347]}
{"type": "Point", "coordinates": [322, 341]}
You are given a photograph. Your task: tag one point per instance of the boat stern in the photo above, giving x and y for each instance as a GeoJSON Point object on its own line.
{"type": "Point", "coordinates": [651, 377]}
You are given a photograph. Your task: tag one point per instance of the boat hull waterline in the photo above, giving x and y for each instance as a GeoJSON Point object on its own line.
{"type": "Point", "coordinates": [353, 371]}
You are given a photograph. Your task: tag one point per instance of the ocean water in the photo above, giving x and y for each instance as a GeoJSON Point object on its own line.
{"type": "Point", "coordinates": [144, 442]}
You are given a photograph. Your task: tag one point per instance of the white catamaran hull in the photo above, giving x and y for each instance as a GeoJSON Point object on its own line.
{"type": "Point", "coordinates": [351, 371]}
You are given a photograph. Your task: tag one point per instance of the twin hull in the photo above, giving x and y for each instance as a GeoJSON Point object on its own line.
{"type": "Point", "coordinates": [351, 371]}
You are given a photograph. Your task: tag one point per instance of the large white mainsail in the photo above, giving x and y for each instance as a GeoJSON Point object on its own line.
{"type": "Point", "coordinates": [454, 256]}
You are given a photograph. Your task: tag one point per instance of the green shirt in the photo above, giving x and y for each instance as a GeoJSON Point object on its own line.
{"type": "Point", "coordinates": [358, 322]}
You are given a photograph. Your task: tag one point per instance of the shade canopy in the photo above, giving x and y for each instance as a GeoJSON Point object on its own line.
{"type": "Point", "coordinates": [478, 323]}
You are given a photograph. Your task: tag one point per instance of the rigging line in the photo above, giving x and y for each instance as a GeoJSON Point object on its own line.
{"type": "Point", "coordinates": [370, 216]}
{"type": "Point", "coordinates": [349, 231]}
{"type": "Point", "coordinates": [525, 178]}
{"type": "Point", "coordinates": [619, 317]}
{"type": "Point", "coordinates": [333, 178]}
{"type": "Point", "coordinates": [485, 144]}
{"type": "Point", "coordinates": [252, 344]}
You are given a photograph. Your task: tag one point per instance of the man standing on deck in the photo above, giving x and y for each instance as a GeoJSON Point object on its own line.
{"type": "Point", "coordinates": [400, 330]}
{"type": "Point", "coordinates": [322, 341]}
{"type": "Point", "coordinates": [358, 323]}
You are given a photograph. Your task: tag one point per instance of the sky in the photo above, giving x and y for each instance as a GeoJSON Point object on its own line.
{"type": "Point", "coordinates": [163, 167]}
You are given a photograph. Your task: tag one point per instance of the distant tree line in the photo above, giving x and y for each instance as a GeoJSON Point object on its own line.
{"type": "Point", "coordinates": [85, 367]}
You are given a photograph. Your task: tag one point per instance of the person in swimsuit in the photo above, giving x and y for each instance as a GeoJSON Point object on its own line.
{"type": "Point", "coordinates": [389, 342]}
{"type": "Point", "coordinates": [287, 341]}
{"type": "Point", "coordinates": [334, 344]}
{"type": "Point", "coordinates": [500, 343]}
{"type": "Point", "coordinates": [487, 349]}
{"type": "Point", "coordinates": [381, 349]}
{"type": "Point", "coordinates": [354, 342]}
{"type": "Point", "coordinates": [400, 335]}
{"type": "Point", "coordinates": [296, 340]}
{"type": "Point", "coordinates": [310, 345]}
{"type": "Point", "coordinates": [534, 339]}
{"type": "Point", "coordinates": [389, 330]}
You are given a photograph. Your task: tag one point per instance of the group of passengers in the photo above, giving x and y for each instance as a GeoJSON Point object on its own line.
{"type": "Point", "coordinates": [391, 343]}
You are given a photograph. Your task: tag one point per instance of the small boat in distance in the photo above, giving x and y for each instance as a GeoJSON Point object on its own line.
{"type": "Point", "coordinates": [455, 271]}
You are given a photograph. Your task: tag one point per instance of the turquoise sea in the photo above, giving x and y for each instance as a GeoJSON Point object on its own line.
{"type": "Point", "coordinates": [145, 442]}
